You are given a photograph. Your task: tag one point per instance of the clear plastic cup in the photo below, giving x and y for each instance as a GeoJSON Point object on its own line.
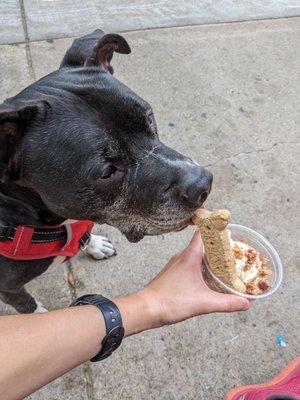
{"type": "Point", "coordinates": [260, 244]}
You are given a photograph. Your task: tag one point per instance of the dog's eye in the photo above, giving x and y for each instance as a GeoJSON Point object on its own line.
{"type": "Point", "coordinates": [151, 119]}
{"type": "Point", "coordinates": [108, 171]}
{"type": "Point", "coordinates": [151, 122]}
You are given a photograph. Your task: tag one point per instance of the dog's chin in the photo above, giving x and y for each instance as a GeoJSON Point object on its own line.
{"type": "Point", "coordinates": [134, 235]}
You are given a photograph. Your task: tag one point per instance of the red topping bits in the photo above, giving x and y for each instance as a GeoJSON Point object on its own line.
{"type": "Point", "coordinates": [251, 255]}
{"type": "Point", "coordinates": [263, 285]}
{"type": "Point", "coordinates": [237, 252]}
{"type": "Point", "coordinates": [251, 288]}
{"type": "Point", "coordinates": [259, 284]}
{"type": "Point", "coordinates": [264, 272]}
{"type": "Point", "coordinates": [247, 266]}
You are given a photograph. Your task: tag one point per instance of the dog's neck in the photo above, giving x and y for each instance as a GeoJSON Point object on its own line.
{"type": "Point", "coordinates": [23, 206]}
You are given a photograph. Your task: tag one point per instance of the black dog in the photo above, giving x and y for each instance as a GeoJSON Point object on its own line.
{"type": "Point", "coordinates": [78, 144]}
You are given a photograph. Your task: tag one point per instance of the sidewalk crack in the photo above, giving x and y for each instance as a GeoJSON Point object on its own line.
{"type": "Point", "coordinates": [242, 153]}
{"type": "Point", "coordinates": [27, 45]}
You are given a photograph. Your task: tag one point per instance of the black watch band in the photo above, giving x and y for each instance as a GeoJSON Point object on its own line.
{"type": "Point", "coordinates": [113, 323]}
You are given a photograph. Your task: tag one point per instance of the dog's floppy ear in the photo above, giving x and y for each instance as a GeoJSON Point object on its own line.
{"type": "Point", "coordinates": [104, 50]}
{"type": "Point", "coordinates": [13, 121]}
{"type": "Point", "coordinates": [95, 49]}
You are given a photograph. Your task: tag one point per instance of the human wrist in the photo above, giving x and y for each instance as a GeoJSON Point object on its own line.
{"type": "Point", "coordinates": [140, 311]}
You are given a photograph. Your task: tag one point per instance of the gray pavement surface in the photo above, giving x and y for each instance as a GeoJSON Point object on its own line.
{"type": "Point", "coordinates": [65, 18]}
{"type": "Point", "coordinates": [11, 27]}
{"type": "Point", "coordinates": [227, 95]}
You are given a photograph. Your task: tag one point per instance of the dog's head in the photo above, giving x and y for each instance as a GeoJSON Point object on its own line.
{"type": "Point", "coordinates": [88, 145]}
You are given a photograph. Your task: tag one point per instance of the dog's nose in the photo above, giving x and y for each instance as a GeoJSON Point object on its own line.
{"type": "Point", "coordinates": [196, 185]}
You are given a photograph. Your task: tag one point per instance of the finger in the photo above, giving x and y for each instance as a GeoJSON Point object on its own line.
{"type": "Point", "coordinates": [220, 302]}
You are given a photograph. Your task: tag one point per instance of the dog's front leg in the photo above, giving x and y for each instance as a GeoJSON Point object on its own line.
{"type": "Point", "coordinates": [100, 247]}
{"type": "Point", "coordinates": [22, 301]}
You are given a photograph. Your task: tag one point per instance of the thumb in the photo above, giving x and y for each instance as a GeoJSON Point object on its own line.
{"type": "Point", "coordinates": [196, 244]}
{"type": "Point", "coordinates": [221, 302]}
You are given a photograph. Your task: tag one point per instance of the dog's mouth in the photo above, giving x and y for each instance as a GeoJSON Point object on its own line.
{"type": "Point", "coordinates": [136, 234]}
{"type": "Point", "coordinates": [154, 227]}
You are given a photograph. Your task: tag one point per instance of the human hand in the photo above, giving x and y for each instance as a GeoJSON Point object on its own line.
{"type": "Point", "coordinates": [179, 292]}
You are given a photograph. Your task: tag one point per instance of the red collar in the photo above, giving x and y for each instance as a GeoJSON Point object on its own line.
{"type": "Point", "coordinates": [29, 243]}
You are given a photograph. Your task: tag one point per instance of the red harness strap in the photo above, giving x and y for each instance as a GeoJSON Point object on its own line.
{"type": "Point", "coordinates": [20, 246]}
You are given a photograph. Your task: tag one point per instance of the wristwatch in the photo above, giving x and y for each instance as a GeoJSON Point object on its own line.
{"type": "Point", "coordinates": [113, 323]}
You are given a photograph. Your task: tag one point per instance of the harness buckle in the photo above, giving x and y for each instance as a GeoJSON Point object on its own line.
{"type": "Point", "coordinates": [6, 232]}
{"type": "Point", "coordinates": [85, 240]}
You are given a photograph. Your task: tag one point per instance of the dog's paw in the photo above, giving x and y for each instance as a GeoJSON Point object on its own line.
{"type": "Point", "coordinates": [40, 308]}
{"type": "Point", "coordinates": [100, 247]}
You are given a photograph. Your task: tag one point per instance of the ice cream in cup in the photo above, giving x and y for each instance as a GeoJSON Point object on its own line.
{"type": "Point", "coordinates": [237, 259]}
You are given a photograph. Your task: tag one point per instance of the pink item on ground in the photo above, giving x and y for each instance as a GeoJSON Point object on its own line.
{"type": "Point", "coordinates": [286, 383]}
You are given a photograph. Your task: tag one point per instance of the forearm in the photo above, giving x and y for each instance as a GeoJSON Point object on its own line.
{"type": "Point", "coordinates": [38, 348]}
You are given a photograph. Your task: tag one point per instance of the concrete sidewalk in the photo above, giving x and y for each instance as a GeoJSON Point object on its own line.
{"type": "Point", "coordinates": [227, 95]}
{"type": "Point", "coordinates": [22, 20]}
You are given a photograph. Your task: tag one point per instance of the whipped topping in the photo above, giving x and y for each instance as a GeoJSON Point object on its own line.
{"type": "Point", "coordinates": [246, 271]}
{"type": "Point", "coordinates": [243, 272]}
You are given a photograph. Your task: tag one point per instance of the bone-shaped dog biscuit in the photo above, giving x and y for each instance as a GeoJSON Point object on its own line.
{"type": "Point", "coordinates": [212, 225]}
